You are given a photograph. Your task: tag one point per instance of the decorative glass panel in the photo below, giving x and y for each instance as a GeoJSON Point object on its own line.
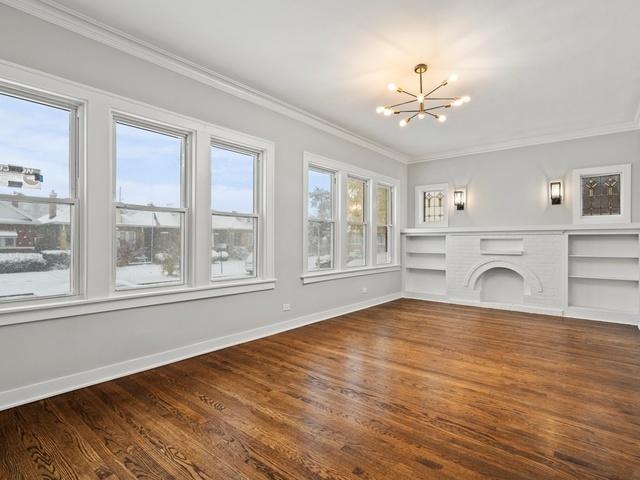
{"type": "Point", "coordinates": [600, 195]}
{"type": "Point", "coordinates": [434, 206]}
{"type": "Point", "coordinates": [149, 247]}
{"type": "Point", "coordinates": [233, 246]}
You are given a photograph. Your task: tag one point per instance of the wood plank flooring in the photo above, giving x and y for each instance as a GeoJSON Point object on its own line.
{"type": "Point", "coordinates": [405, 390]}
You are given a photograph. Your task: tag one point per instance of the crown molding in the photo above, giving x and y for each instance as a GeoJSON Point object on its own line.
{"type": "Point", "coordinates": [76, 22]}
{"type": "Point", "coordinates": [531, 141]}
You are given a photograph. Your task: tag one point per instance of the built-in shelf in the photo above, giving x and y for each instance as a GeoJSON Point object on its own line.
{"type": "Point", "coordinates": [440, 269]}
{"type": "Point", "coordinates": [427, 253]}
{"type": "Point", "coordinates": [501, 252]}
{"type": "Point", "coordinates": [602, 277]}
{"type": "Point", "coordinates": [604, 256]}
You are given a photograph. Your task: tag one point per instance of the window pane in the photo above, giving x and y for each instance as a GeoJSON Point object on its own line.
{"type": "Point", "coordinates": [320, 197]}
{"type": "Point", "coordinates": [320, 248]}
{"type": "Point", "coordinates": [383, 252]}
{"type": "Point", "coordinates": [149, 248]}
{"type": "Point", "coordinates": [34, 148]}
{"type": "Point", "coordinates": [355, 245]}
{"type": "Point", "coordinates": [382, 204]}
{"type": "Point", "coordinates": [148, 167]}
{"type": "Point", "coordinates": [233, 246]}
{"type": "Point", "coordinates": [232, 175]}
{"type": "Point", "coordinates": [355, 200]}
{"type": "Point", "coordinates": [35, 250]}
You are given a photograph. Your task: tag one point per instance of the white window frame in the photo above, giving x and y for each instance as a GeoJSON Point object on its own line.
{"type": "Point", "coordinates": [94, 249]}
{"type": "Point", "coordinates": [75, 200]}
{"type": "Point", "coordinates": [256, 214]}
{"type": "Point", "coordinates": [333, 220]}
{"type": "Point", "coordinates": [366, 221]}
{"type": "Point", "coordinates": [420, 190]}
{"type": "Point", "coordinates": [343, 171]}
{"type": "Point", "coordinates": [624, 216]}
{"type": "Point", "coordinates": [184, 209]}
{"type": "Point", "coordinates": [390, 225]}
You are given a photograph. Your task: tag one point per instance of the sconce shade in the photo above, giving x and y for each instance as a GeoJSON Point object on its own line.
{"type": "Point", "coordinates": [555, 193]}
{"type": "Point", "coordinates": [458, 199]}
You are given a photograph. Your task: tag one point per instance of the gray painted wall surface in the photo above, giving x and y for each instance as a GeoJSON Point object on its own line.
{"type": "Point", "coordinates": [509, 187]}
{"type": "Point", "coordinates": [39, 351]}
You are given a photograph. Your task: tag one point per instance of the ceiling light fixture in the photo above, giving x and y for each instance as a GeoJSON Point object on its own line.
{"type": "Point", "coordinates": [421, 98]}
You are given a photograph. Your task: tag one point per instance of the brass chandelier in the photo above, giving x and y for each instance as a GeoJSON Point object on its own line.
{"type": "Point", "coordinates": [422, 98]}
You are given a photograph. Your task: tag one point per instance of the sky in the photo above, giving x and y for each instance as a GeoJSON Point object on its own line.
{"type": "Point", "coordinates": [148, 163]}
{"type": "Point", "coordinates": [35, 136]}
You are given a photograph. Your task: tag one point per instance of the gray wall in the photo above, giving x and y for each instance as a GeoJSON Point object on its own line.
{"type": "Point", "coordinates": [509, 187]}
{"type": "Point", "coordinates": [44, 350]}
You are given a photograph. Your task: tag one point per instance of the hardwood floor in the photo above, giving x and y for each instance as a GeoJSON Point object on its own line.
{"type": "Point", "coordinates": [406, 390]}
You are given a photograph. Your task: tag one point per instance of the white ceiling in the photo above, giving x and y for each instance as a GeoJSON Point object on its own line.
{"type": "Point", "coordinates": [535, 69]}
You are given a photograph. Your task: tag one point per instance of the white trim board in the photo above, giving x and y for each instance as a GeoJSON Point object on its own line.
{"type": "Point", "coordinates": [80, 24]}
{"type": "Point", "coordinates": [56, 386]}
{"type": "Point", "coordinates": [69, 19]}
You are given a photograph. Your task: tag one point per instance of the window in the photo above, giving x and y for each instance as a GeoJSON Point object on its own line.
{"type": "Point", "coordinates": [150, 205]}
{"type": "Point", "coordinates": [356, 222]}
{"type": "Point", "coordinates": [321, 219]}
{"type": "Point", "coordinates": [234, 212]}
{"type": "Point", "coordinates": [384, 224]}
{"type": "Point", "coordinates": [38, 196]}
{"type": "Point", "coordinates": [432, 207]}
{"type": "Point", "coordinates": [348, 220]}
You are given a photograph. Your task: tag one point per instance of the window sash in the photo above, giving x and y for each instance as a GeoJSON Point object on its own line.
{"type": "Point", "coordinates": [183, 254]}
{"type": "Point", "coordinates": [72, 201]}
{"type": "Point", "coordinates": [332, 253]}
{"type": "Point", "coordinates": [256, 215]}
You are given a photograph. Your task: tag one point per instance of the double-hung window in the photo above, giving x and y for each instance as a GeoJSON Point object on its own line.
{"type": "Point", "coordinates": [320, 219]}
{"type": "Point", "coordinates": [150, 204]}
{"type": "Point", "coordinates": [384, 224]}
{"type": "Point", "coordinates": [348, 220]}
{"type": "Point", "coordinates": [39, 198]}
{"type": "Point", "coordinates": [235, 212]}
{"type": "Point", "coordinates": [357, 193]}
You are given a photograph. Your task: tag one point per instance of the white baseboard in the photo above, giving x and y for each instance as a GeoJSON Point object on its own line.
{"type": "Point", "coordinates": [558, 312]}
{"type": "Point", "coordinates": [56, 386]}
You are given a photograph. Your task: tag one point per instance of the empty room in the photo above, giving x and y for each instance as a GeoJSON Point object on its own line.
{"type": "Point", "coordinates": [331, 240]}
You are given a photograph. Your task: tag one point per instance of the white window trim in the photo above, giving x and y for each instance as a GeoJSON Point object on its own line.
{"type": "Point", "coordinates": [390, 219]}
{"type": "Point", "coordinates": [264, 205]}
{"type": "Point", "coordinates": [75, 200]}
{"type": "Point", "coordinates": [419, 209]}
{"type": "Point", "coordinates": [342, 172]}
{"type": "Point", "coordinates": [95, 197]}
{"type": "Point", "coordinates": [186, 164]}
{"type": "Point", "coordinates": [625, 194]}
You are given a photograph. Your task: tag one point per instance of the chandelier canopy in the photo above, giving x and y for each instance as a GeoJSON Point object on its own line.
{"type": "Point", "coordinates": [422, 98]}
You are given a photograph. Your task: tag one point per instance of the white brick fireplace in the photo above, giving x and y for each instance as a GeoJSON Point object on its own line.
{"type": "Point", "coordinates": [565, 270]}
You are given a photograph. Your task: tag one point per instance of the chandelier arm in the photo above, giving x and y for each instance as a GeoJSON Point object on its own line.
{"type": "Point", "coordinates": [429, 113]}
{"type": "Point", "coordinates": [441, 98]}
{"type": "Point", "coordinates": [408, 93]}
{"type": "Point", "coordinates": [435, 108]}
{"type": "Point", "coordinates": [407, 111]}
{"type": "Point", "coordinates": [438, 87]}
{"type": "Point", "coordinates": [403, 103]}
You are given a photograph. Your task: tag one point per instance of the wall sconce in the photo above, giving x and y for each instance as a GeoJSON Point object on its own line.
{"type": "Point", "coordinates": [459, 198]}
{"type": "Point", "coordinates": [555, 192]}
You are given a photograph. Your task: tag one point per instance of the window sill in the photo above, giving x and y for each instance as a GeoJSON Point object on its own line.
{"type": "Point", "coordinates": [315, 277]}
{"type": "Point", "coordinates": [67, 307]}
